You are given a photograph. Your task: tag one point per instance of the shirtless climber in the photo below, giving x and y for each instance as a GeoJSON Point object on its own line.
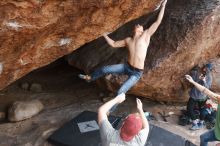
{"type": "Point", "coordinates": [137, 47]}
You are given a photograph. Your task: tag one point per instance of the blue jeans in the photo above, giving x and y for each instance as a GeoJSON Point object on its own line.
{"type": "Point", "coordinates": [134, 75]}
{"type": "Point", "coordinates": [207, 137]}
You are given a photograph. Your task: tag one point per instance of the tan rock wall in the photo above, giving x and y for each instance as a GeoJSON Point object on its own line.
{"type": "Point", "coordinates": [34, 33]}
{"type": "Point", "coordinates": [188, 35]}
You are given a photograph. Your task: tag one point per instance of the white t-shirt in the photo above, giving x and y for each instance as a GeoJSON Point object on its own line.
{"type": "Point", "coordinates": [111, 136]}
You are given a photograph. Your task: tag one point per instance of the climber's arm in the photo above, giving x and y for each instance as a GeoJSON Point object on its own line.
{"type": "Point", "coordinates": [114, 44]}
{"type": "Point", "coordinates": [151, 30]}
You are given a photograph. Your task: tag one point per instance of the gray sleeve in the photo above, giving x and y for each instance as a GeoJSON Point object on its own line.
{"type": "Point", "coordinates": [208, 79]}
{"type": "Point", "coordinates": [195, 75]}
{"type": "Point", "coordinates": [106, 129]}
{"type": "Point", "coordinates": [142, 136]}
{"type": "Point", "coordinates": [203, 83]}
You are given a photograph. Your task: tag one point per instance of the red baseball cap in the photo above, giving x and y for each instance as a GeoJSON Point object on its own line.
{"type": "Point", "coordinates": [131, 127]}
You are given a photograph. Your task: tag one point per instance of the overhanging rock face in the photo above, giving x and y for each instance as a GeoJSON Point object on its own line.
{"type": "Point", "coordinates": [188, 35]}
{"type": "Point", "coordinates": [216, 75]}
{"type": "Point", "coordinates": [35, 33]}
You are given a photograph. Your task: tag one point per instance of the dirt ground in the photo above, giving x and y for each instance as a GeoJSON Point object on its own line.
{"type": "Point", "coordinates": [64, 96]}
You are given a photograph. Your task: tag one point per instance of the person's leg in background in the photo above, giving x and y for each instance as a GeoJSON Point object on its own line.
{"type": "Point", "coordinates": [191, 112]}
{"type": "Point", "coordinates": [203, 113]}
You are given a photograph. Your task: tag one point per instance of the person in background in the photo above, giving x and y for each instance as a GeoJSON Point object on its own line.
{"type": "Point", "coordinates": [134, 130]}
{"type": "Point", "coordinates": [214, 134]}
{"type": "Point", "coordinates": [197, 98]}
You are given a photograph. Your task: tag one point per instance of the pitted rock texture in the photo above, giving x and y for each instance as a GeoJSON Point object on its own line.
{"type": "Point", "coordinates": [34, 33]}
{"type": "Point", "coordinates": [216, 75]}
{"type": "Point", "coordinates": [188, 35]}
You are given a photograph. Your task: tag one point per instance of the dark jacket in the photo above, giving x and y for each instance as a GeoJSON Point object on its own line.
{"type": "Point", "coordinates": [195, 93]}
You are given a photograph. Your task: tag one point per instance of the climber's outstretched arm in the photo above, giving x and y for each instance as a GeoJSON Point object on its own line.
{"type": "Point", "coordinates": [114, 44]}
{"type": "Point", "coordinates": [151, 30]}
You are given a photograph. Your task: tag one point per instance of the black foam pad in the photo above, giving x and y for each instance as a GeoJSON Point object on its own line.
{"type": "Point", "coordinates": [70, 135]}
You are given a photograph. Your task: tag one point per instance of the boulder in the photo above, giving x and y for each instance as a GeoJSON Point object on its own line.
{"type": "Point", "coordinates": [37, 32]}
{"type": "Point", "coordinates": [187, 36]}
{"type": "Point", "coordinates": [25, 86]}
{"type": "Point", "coordinates": [21, 110]}
{"type": "Point", "coordinates": [2, 116]}
{"type": "Point", "coordinates": [216, 75]}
